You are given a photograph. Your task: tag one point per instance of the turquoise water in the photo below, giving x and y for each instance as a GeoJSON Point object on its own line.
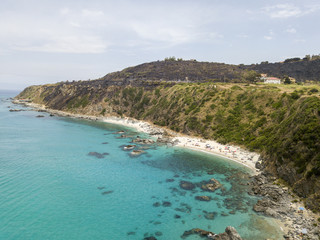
{"type": "Point", "coordinates": [52, 188]}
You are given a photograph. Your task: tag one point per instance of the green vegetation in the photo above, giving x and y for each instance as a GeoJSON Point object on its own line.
{"type": "Point", "coordinates": [281, 122]}
{"type": "Point", "coordinates": [77, 102]}
{"type": "Point", "coordinates": [103, 112]}
{"type": "Point", "coordinates": [287, 80]}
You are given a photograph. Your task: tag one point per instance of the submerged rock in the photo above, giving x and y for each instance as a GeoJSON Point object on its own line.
{"type": "Point", "coordinates": [150, 238]}
{"type": "Point", "coordinates": [166, 204]}
{"type": "Point", "coordinates": [209, 215]}
{"type": "Point", "coordinates": [187, 185]}
{"type": "Point", "coordinates": [203, 198]}
{"type": "Point", "coordinates": [137, 152]}
{"type": "Point", "coordinates": [16, 110]}
{"type": "Point", "coordinates": [106, 192]}
{"type": "Point", "coordinates": [122, 136]}
{"type": "Point", "coordinates": [156, 204]}
{"type": "Point", "coordinates": [199, 232]}
{"type": "Point", "coordinates": [97, 155]}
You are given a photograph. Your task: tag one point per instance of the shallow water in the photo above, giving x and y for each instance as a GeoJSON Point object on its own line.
{"type": "Point", "coordinates": [63, 178]}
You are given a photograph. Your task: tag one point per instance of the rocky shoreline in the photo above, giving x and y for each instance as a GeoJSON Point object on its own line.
{"type": "Point", "coordinates": [280, 203]}
{"type": "Point", "coordinates": [277, 200]}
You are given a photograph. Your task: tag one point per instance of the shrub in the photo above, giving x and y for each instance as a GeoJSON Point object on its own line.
{"type": "Point", "coordinates": [157, 92]}
{"type": "Point", "coordinates": [103, 112]}
{"type": "Point", "coordinates": [294, 95]}
{"type": "Point", "coordinates": [313, 90]}
{"type": "Point", "coordinates": [116, 102]}
{"type": "Point", "coordinates": [212, 106]}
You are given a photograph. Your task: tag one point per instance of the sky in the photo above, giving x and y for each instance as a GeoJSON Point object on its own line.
{"type": "Point", "coordinates": [48, 41]}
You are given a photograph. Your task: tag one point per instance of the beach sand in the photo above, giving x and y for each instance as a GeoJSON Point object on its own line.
{"type": "Point", "coordinates": [230, 152]}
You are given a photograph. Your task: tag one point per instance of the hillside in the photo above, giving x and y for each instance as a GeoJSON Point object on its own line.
{"type": "Point", "coordinates": [300, 69]}
{"type": "Point", "coordinates": [174, 70]}
{"type": "Point", "coordinates": [281, 122]}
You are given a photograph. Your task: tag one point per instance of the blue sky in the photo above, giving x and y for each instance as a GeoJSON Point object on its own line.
{"type": "Point", "coordinates": [47, 41]}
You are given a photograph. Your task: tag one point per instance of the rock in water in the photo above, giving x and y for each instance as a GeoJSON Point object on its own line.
{"type": "Point", "coordinates": [187, 185]}
{"type": "Point", "coordinates": [211, 185]}
{"type": "Point", "coordinates": [150, 238]}
{"type": "Point", "coordinates": [229, 234]}
{"type": "Point", "coordinates": [203, 198]}
{"type": "Point", "coordinates": [96, 154]}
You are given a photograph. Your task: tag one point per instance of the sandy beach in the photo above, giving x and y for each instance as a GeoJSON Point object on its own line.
{"type": "Point", "coordinates": [230, 152]}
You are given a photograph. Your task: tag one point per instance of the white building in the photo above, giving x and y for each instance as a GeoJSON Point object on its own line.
{"type": "Point", "coordinates": [272, 80]}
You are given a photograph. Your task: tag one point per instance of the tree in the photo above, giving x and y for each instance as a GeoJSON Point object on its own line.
{"type": "Point", "coordinates": [287, 80]}
{"type": "Point", "coordinates": [307, 58]}
{"type": "Point", "coordinates": [173, 59]}
{"type": "Point", "coordinates": [251, 76]}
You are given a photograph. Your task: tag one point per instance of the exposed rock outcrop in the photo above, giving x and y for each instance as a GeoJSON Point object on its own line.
{"type": "Point", "coordinates": [229, 234]}
{"type": "Point", "coordinates": [280, 203]}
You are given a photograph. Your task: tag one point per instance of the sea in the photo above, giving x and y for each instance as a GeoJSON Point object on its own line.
{"type": "Point", "coordinates": [64, 178]}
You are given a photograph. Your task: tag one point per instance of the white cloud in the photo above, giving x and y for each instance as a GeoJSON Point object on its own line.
{"type": "Point", "coordinates": [68, 44]}
{"type": "Point", "coordinates": [291, 30]}
{"type": "Point", "coordinates": [299, 40]}
{"type": "Point", "coordinates": [163, 31]}
{"type": "Point", "coordinates": [270, 36]}
{"type": "Point", "coordinates": [67, 34]}
{"type": "Point", "coordinates": [91, 13]}
{"type": "Point", "coordinates": [243, 35]}
{"type": "Point", "coordinates": [64, 11]}
{"type": "Point", "coordinates": [289, 10]}
{"type": "Point", "coordinates": [283, 11]}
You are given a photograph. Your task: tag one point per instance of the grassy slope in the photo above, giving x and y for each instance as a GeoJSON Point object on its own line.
{"type": "Point", "coordinates": [282, 122]}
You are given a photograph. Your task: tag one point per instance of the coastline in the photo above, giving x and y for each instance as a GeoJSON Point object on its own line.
{"type": "Point", "coordinates": [229, 152]}
{"type": "Point", "coordinates": [288, 219]}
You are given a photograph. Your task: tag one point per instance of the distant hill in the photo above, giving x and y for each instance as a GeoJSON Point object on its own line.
{"type": "Point", "coordinates": [183, 71]}
{"type": "Point", "coordinates": [194, 71]}
{"type": "Point", "coordinates": [300, 69]}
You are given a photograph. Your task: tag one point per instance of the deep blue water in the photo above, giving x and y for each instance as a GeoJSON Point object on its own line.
{"type": "Point", "coordinates": [52, 188]}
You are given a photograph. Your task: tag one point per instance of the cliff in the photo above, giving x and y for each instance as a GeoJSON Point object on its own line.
{"type": "Point", "coordinates": [281, 122]}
